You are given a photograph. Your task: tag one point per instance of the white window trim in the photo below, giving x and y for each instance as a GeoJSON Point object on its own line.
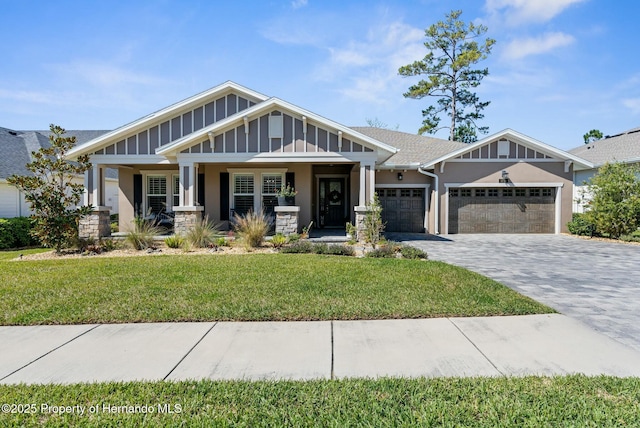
{"type": "Point", "coordinates": [168, 174]}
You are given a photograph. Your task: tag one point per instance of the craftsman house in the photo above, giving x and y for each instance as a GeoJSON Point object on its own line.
{"type": "Point", "coordinates": [229, 149]}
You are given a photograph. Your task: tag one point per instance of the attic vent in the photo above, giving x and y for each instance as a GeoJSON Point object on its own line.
{"type": "Point", "coordinates": [503, 148]}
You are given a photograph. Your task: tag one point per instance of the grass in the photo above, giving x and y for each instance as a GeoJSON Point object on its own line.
{"type": "Point", "coordinates": [12, 254]}
{"type": "Point", "coordinates": [246, 287]}
{"type": "Point", "coordinates": [477, 402]}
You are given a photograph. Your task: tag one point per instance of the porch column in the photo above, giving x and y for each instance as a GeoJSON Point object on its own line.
{"type": "Point", "coordinates": [362, 201]}
{"type": "Point", "coordinates": [96, 224]}
{"type": "Point", "coordinates": [188, 184]}
{"type": "Point", "coordinates": [187, 215]}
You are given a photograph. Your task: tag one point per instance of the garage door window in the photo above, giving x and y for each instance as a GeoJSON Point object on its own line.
{"type": "Point", "coordinates": [492, 193]}
{"type": "Point", "coordinates": [547, 192]}
{"type": "Point", "coordinates": [454, 193]}
{"type": "Point", "coordinates": [481, 193]}
{"type": "Point", "coordinates": [507, 193]}
{"type": "Point", "coordinates": [405, 193]}
{"type": "Point", "coordinates": [521, 192]}
{"type": "Point", "coordinates": [535, 192]}
{"type": "Point", "coordinates": [465, 192]}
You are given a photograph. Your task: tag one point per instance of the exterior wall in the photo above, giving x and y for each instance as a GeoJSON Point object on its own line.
{"type": "Point", "coordinates": [13, 204]}
{"type": "Point", "coordinates": [520, 172]}
{"type": "Point", "coordinates": [260, 138]}
{"type": "Point", "coordinates": [164, 132]}
{"type": "Point", "coordinates": [579, 189]}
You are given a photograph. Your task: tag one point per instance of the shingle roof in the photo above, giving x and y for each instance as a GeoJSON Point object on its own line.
{"type": "Point", "coordinates": [414, 149]}
{"type": "Point", "coordinates": [16, 148]}
{"type": "Point", "coordinates": [622, 147]}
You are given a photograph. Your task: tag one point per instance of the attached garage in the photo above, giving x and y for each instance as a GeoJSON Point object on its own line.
{"type": "Point", "coordinates": [502, 210]}
{"type": "Point", "coordinates": [403, 209]}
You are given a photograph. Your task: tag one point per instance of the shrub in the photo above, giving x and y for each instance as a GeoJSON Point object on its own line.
{"type": "Point", "coordinates": [409, 252]}
{"type": "Point", "coordinates": [203, 233]}
{"type": "Point", "coordinates": [175, 241]}
{"type": "Point", "coordinates": [293, 237]}
{"type": "Point", "coordinates": [141, 234]}
{"type": "Point", "coordinates": [299, 247]}
{"type": "Point", "coordinates": [614, 208]}
{"type": "Point", "coordinates": [115, 227]}
{"type": "Point", "coordinates": [16, 232]}
{"type": "Point", "coordinates": [385, 252]}
{"type": "Point", "coordinates": [252, 228]}
{"type": "Point", "coordinates": [340, 250]}
{"type": "Point", "coordinates": [580, 225]}
{"type": "Point", "coordinates": [278, 240]}
{"type": "Point", "coordinates": [373, 225]}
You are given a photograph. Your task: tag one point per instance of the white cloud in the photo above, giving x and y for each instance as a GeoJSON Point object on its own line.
{"type": "Point", "coordinates": [104, 74]}
{"type": "Point", "coordinates": [521, 48]}
{"type": "Point", "coordinates": [517, 12]}
{"type": "Point", "coordinates": [632, 104]}
{"type": "Point", "coordinates": [297, 4]}
{"type": "Point", "coordinates": [368, 68]}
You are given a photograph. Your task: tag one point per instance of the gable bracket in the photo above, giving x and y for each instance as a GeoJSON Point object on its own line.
{"type": "Point", "coordinates": [442, 166]}
{"type": "Point", "coordinates": [567, 164]}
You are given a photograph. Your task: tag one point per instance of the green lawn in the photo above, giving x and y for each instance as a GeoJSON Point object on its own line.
{"type": "Point", "coordinates": [245, 287]}
{"type": "Point", "coordinates": [481, 402]}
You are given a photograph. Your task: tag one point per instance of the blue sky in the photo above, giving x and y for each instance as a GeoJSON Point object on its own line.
{"type": "Point", "coordinates": [559, 67]}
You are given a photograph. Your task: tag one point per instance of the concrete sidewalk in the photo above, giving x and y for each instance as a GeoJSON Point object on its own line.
{"type": "Point", "coordinates": [492, 346]}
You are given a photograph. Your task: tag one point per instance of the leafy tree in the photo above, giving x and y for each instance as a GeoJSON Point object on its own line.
{"type": "Point", "coordinates": [453, 49]}
{"type": "Point", "coordinates": [591, 136]}
{"type": "Point", "coordinates": [51, 192]}
{"type": "Point", "coordinates": [614, 208]}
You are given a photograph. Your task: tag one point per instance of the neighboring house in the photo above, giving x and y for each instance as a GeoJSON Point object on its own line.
{"type": "Point", "coordinates": [16, 148]}
{"type": "Point", "coordinates": [227, 150]}
{"type": "Point", "coordinates": [624, 147]}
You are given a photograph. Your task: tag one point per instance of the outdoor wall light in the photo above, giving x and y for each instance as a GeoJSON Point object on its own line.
{"type": "Point", "coordinates": [505, 177]}
{"type": "Point", "coordinates": [400, 176]}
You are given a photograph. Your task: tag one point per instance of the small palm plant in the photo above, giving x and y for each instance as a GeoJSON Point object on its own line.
{"type": "Point", "coordinates": [141, 234]}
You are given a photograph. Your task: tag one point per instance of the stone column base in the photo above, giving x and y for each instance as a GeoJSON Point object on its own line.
{"type": "Point", "coordinates": [186, 218]}
{"type": "Point", "coordinates": [95, 225]}
{"type": "Point", "coordinates": [361, 213]}
{"type": "Point", "coordinates": [287, 219]}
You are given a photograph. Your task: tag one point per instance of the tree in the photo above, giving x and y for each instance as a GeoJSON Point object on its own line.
{"type": "Point", "coordinates": [591, 136]}
{"type": "Point", "coordinates": [453, 50]}
{"type": "Point", "coordinates": [51, 192]}
{"type": "Point", "coordinates": [377, 123]}
{"type": "Point", "coordinates": [614, 208]}
{"type": "Point", "coordinates": [373, 224]}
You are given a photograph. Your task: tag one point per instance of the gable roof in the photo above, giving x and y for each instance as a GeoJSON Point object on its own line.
{"type": "Point", "coordinates": [413, 149]}
{"type": "Point", "coordinates": [624, 147]}
{"type": "Point", "coordinates": [518, 137]}
{"type": "Point", "coordinates": [163, 114]}
{"type": "Point", "coordinates": [265, 106]}
{"type": "Point", "coordinates": [16, 148]}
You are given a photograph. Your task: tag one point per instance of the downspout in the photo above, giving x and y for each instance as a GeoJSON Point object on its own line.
{"type": "Point", "coordinates": [436, 205]}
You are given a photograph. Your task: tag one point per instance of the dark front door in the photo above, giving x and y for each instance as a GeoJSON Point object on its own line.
{"type": "Point", "coordinates": [332, 202]}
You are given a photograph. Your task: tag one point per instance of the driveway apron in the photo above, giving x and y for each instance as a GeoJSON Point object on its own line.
{"type": "Point", "coordinates": [595, 282]}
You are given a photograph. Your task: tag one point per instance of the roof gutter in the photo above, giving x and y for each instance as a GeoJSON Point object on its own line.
{"type": "Point", "coordinates": [436, 205]}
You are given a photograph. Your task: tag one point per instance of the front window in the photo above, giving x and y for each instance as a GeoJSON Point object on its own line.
{"type": "Point", "coordinates": [271, 183]}
{"type": "Point", "coordinates": [243, 190]}
{"type": "Point", "coordinates": [156, 193]}
{"type": "Point", "coordinates": [176, 190]}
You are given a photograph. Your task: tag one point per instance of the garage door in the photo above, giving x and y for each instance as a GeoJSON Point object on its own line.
{"type": "Point", "coordinates": [402, 209]}
{"type": "Point", "coordinates": [510, 210]}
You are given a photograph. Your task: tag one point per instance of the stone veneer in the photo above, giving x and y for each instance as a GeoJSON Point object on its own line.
{"type": "Point", "coordinates": [186, 219]}
{"type": "Point", "coordinates": [96, 224]}
{"type": "Point", "coordinates": [361, 214]}
{"type": "Point", "coordinates": [287, 219]}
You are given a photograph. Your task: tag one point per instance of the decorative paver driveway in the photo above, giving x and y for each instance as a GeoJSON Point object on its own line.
{"type": "Point", "coordinates": [595, 282]}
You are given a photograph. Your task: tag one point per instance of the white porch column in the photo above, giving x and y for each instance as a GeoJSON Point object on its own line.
{"type": "Point", "coordinates": [362, 198]}
{"type": "Point", "coordinates": [94, 182]}
{"type": "Point", "coordinates": [188, 184]}
{"type": "Point", "coordinates": [372, 182]}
